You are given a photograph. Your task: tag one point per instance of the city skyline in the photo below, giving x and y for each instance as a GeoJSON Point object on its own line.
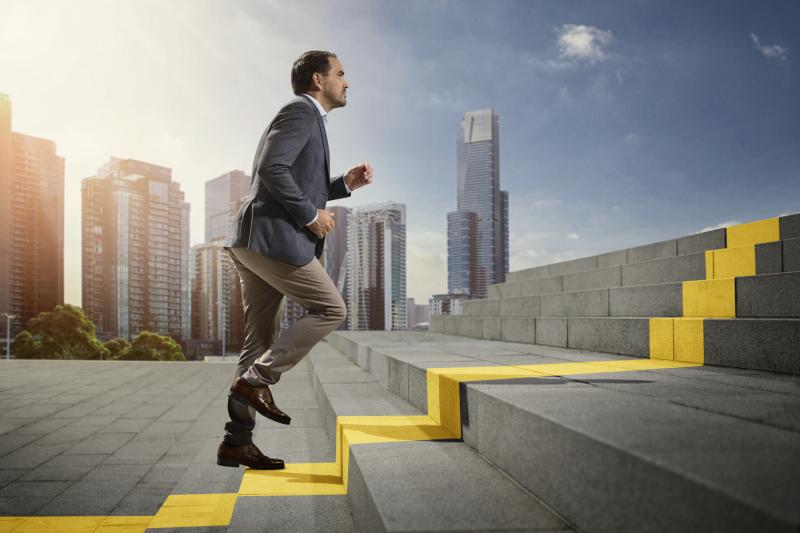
{"type": "Point", "coordinates": [613, 135]}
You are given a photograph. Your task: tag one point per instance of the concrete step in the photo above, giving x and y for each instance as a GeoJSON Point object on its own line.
{"type": "Point", "coordinates": [660, 250]}
{"type": "Point", "coordinates": [424, 483]}
{"type": "Point", "coordinates": [658, 271]}
{"type": "Point", "coordinates": [787, 228]}
{"type": "Point", "coordinates": [768, 296]}
{"type": "Point", "coordinates": [778, 256]}
{"type": "Point", "coordinates": [755, 343]}
{"type": "Point", "coordinates": [673, 449]}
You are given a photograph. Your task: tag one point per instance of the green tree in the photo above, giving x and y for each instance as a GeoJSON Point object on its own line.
{"type": "Point", "coordinates": [117, 347]}
{"type": "Point", "coordinates": [149, 346]}
{"type": "Point", "coordinates": [63, 333]}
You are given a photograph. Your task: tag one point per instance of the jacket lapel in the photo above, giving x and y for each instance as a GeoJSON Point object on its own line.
{"type": "Point", "coordinates": [321, 125]}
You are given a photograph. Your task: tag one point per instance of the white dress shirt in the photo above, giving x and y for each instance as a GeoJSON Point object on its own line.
{"type": "Point", "coordinates": [325, 121]}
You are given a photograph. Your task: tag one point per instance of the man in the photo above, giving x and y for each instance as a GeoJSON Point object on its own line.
{"type": "Point", "coordinates": [276, 245]}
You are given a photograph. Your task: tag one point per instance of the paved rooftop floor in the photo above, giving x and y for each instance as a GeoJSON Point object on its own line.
{"type": "Point", "coordinates": [116, 438]}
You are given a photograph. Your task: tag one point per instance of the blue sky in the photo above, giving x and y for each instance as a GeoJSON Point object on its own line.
{"type": "Point", "coordinates": [621, 123]}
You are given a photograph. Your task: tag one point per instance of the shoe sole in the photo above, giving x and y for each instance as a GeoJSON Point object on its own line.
{"type": "Point", "coordinates": [236, 396]}
{"type": "Point", "coordinates": [236, 464]}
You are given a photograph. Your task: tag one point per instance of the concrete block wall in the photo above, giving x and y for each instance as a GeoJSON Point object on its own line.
{"type": "Point", "coordinates": [657, 300]}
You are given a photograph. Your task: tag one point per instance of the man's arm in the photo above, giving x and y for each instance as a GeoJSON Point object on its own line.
{"type": "Point", "coordinates": [287, 137]}
{"type": "Point", "coordinates": [338, 189]}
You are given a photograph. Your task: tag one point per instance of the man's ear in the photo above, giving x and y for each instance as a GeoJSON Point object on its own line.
{"type": "Point", "coordinates": [317, 80]}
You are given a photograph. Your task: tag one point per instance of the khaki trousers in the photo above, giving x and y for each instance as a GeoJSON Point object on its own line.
{"type": "Point", "coordinates": [265, 281]}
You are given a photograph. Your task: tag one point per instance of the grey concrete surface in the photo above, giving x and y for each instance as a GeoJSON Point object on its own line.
{"type": "Point", "coordinates": [649, 252]}
{"type": "Point", "coordinates": [574, 265]}
{"type": "Point", "coordinates": [791, 255]}
{"type": "Point", "coordinates": [531, 287]}
{"type": "Point", "coordinates": [671, 450]}
{"type": "Point", "coordinates": [769, 257]}
{"type": "Point", "coordinates": [610, 259]}
{"type": "Point", "coordinates": [790, 227]}
{"type": "Point", "coordinates": [581, 303]}
{"type": "Point", "coordinates": [629, 336]}
{"type": "Point", "coordinates": [670, 270]}
{"type": "Point", "coordinates": [752, 343]}
{"type": "Point", "coordinates": [768, 296]}
{"type": "Point", "coordinates": [700, 242]}
{"type": "Point", "coordinates": [551, 331]}
{"type": "Point", "coordinates": [647, 301]}
{"type": "Point", "coordinates": [521, 306]}
{"type": "Point", "coordinates": [601, 278]}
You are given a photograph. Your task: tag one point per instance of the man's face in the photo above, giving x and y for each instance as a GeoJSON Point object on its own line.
{"type": "Point", "coordinates": [334, 86]}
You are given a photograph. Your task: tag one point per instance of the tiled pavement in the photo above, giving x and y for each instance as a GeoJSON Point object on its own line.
{"type": "Point", "coordinates": [116, 438]}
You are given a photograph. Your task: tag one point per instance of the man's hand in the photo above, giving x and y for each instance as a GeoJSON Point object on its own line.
{"type": "Point", "coordinates": [324, 223]}
{"type": "Point", "coordinates": [359, 176]}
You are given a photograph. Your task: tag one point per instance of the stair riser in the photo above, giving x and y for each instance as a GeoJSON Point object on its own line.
{"type": "Point", "coordinates": [565, 469]}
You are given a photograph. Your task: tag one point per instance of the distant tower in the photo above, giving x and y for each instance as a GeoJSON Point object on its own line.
{"type": "Point", "coordinates": [31, 224]}
{"type": "Point", "coordinates": [135, 233]}
{"type": "Point", "coordinates": [376, 262]}
{"type": "Point", "coordinates": [335, 255]}
{"type": "Point", "coordinates": [478, 250]}
{"type": "Point", "coordinates": [217, 310]}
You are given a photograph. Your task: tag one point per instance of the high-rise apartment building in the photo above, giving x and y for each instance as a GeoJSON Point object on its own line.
{"type": "Point", "coordinates": [376, 263]}
{"type": "Point", "coordinates": [217, 311]}
{"type": "Point", "coordinates": [478, 250]}
{"type": "Point", "coordinates": [220, 192]}
{"type": "Point", "coordinates": [31, 224]}
{"type": "Point", "coordinates": [334, 255]}
{"type": "Point", "coordinates": [136, 271]}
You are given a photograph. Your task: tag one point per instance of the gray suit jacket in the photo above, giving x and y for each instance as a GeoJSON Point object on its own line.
{"type": "Point", "coordinates": [291, 179]}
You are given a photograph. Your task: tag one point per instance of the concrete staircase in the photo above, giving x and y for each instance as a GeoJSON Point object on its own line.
{"type": "Point", "coordinates": [728, 297]}
{"type": "Point", "coordinates": [549, 437]}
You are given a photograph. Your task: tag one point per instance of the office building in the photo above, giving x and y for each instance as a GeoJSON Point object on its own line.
{"type": "Point", "coordinates": [478, 249]}
{"type": "Point", "coordinates": [376, 264]}
{"type": "Point", "coordinates": [136, 271]}
{"type": "Point", "coordinates": [31, 224]}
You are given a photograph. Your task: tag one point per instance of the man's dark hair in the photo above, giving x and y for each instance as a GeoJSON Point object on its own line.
{"type": "Point", "coordinates": [306, 65]}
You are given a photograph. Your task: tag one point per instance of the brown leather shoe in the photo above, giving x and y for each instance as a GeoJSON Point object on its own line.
{"type": "Point", "coordinates": [248, 455]}
{"type": "Point", "coordinates": [260, 398]}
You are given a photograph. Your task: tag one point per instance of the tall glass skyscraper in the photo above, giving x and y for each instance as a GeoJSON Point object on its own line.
{"type": "Point", "coordinates": [478, 244]}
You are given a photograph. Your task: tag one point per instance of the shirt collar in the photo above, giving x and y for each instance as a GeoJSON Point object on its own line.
{"type": "Point", "coordinates": [319, 106]}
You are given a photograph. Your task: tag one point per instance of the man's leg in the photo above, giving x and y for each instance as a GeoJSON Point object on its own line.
{"type": "Point", "coordinates": [262, 312]}
{"type": "Point", "coordinates": [310, 286]}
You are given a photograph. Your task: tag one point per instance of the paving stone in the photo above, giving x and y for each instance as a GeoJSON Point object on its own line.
{"type": "Point", "coordinates": [101, 443]}
{"type": "Point", "coordinates": [254, 514]}
{"type": "Point", "coordinates": [700, 242]}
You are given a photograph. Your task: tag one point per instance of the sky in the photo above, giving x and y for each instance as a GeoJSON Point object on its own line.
{"type": "Point", "coordinates": [621, 123]}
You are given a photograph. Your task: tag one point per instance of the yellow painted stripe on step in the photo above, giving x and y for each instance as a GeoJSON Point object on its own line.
{"type": "Point", "coordinates": [689, 340]}
{"type": "Point", "coordinates": [662, 338]}
{"type": "Point", "coordinates": [75, 524]}
{"type": "Point", "coordinates": [709, 264]}
{"type": "Point", "coordinates": [709, 298]}
{"type": "Point", "coordinates": [752, 233]}
{"type": "Point", "coordinates": [733, 262]}
{"type": "Point", "coordinates": [195, 510]}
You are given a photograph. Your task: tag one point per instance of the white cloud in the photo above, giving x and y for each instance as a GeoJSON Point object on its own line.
{"type": "Point", "coordinates": [577, 44]}
{"type": "Point", "coordinates": [573, 236]}
{"type": "Point", "coordinates": [718, 226]}
{"type": "Point", "coordinates": [584, 43]}
{"type": "Point", "coordinates": [548, 203]}
{"type": "Point", "coordinates": [774, 51]}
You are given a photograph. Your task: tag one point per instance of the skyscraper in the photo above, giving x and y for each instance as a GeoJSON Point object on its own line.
{"type": "Point", "coordinates": [136, 273]}
{"type": "Point", "coordinates": [335, 255]}
{"type": "Point", "coordinates": [220, 192]}
{"type": "Point", "coordinates": [478, 251]}
{"type": "Point", "coordinates": [376, 263]}
{"type": "Point", "coordinates": [31, 223]}
{"type": "Point", "coordinates": [217, 311]}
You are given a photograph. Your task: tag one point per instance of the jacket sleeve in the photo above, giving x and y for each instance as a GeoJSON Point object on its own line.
{"type": "Point", "coordinates": [287, 136]}
{"type": "Point", "coordinates": [336, 189]}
